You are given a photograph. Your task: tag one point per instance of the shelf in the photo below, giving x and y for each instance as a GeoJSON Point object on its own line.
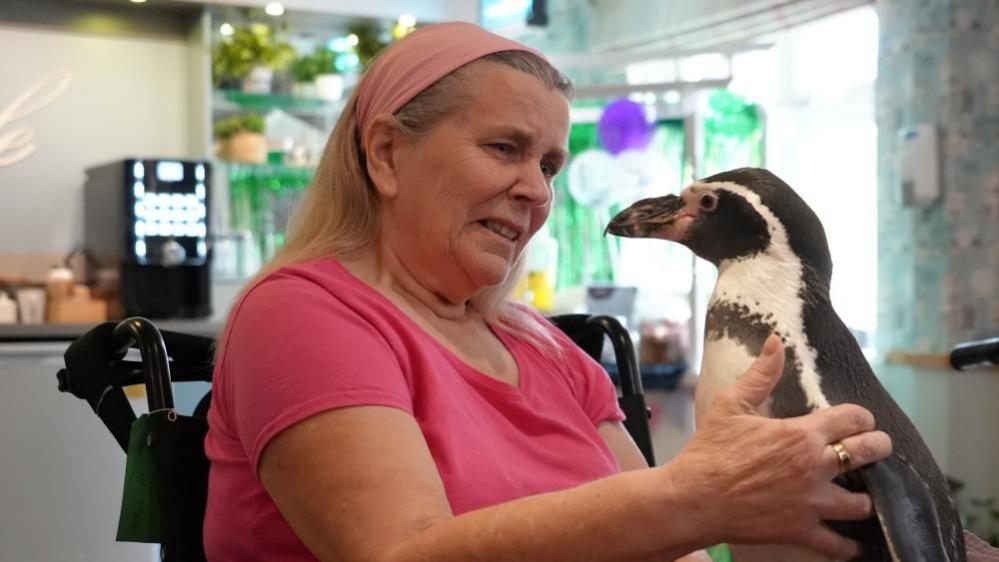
{"type": "Point", "coordinates": [235, 100]}
{"type": "Point", "coordinates": [237, 171]}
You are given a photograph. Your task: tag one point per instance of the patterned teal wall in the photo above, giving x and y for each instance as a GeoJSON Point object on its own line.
{"type": "Point", "coordinates": [938, 267]}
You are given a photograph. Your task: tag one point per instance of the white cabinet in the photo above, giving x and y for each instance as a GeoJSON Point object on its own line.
{"type": "Point", "coordinates": [62, 470]}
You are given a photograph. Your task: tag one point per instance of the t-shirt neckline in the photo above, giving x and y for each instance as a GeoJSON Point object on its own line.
{"type": "Point", "coordinates": [468, 372]}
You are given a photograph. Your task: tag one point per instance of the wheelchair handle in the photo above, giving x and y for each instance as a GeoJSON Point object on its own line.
{"type": "Point", "coordinates": [155, 363]}
{"type": "Point", "coordinates": [624, 353]}
{"type": "Point", "coordinates": [973, 354]}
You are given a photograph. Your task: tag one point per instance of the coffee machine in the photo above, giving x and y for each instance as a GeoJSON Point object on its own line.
{"type": "Point", "coordinates": [148, 220]}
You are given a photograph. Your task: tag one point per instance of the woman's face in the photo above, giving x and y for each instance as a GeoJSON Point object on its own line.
{"type": "Point", "coordinates": [473, 190]}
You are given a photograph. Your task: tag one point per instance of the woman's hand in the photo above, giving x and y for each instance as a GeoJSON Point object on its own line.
{"type": "Point", "coordinates": [765, 480]}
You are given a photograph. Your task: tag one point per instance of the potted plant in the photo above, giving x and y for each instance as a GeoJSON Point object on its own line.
{"type": "Point", "coordinates": [241, 139]}
{"type": "Point", "coordinates": [251, 54]}
{"type": "Point", "coordinates": [371, 39]}
{"type": "Point", "coordinates": [316, 74]}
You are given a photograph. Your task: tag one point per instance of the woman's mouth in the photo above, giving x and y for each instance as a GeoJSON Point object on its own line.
{"type": "Point", "coordinates": [503, 230]}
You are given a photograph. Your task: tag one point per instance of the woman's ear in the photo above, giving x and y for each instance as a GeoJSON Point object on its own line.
{"type": "Point", "coordinates": [382, 144]}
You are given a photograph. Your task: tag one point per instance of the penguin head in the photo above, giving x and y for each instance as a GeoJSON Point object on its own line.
{"type": "Point", "coordinates": [733, 215]}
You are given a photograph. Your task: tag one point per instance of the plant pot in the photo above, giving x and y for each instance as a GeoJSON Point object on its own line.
{"type": "Point", "coordinates": [244, 147]}
{"type": "Point", "coordinates": [258, 81]}
{"type": "Point", "coordinates": [329, 86]}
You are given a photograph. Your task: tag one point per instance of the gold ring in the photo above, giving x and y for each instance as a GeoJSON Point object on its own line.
{"type": "Point", "coordinates": [843, 456]}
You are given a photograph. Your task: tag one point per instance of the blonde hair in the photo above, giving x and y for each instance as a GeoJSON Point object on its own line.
{"type": "Point", "coordinates": [339, 214]}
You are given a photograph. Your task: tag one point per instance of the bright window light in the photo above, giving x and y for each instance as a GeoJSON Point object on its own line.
{"type": "Point", "coordinates": [407, 20]}
{"type": "Point", "coordinates": [651, 72]}
{"type": "Point", "coordinates": [703, 67]}
{"type": "Point", "coordinates": [274, 9]}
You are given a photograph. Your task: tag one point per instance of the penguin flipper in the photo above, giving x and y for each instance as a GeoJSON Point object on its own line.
{"type": "Point", "coordinates": [908, 514]}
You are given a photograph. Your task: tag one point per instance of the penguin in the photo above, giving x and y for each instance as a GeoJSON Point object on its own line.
{"type": "Point", "coordinates": [774, 270]}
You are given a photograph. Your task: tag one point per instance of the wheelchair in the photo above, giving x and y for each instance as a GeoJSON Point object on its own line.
{"type": "Point", "coordinates": [97, 371]}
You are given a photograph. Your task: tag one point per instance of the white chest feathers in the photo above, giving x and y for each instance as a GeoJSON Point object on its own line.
{"type": "Point", "coordinates": [752, 299]}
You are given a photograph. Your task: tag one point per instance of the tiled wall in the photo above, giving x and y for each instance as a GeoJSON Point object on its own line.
{"type": "Point", "coordinates": [938, 266]}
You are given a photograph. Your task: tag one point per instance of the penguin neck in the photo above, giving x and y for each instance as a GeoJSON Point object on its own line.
{"type": "Point", "coordinates": [771, 287]}
{"type": "Point", "coordinates": [771, 272]}
{"type": "Point", "coordinates": [764, 284]}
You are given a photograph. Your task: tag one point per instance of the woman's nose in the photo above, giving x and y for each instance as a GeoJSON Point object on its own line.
{"type": "Point", "coordinates": [533, 187]}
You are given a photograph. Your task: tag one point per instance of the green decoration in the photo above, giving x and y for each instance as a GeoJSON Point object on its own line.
{"type": "Point", "coordinates": [720, 553]}
{"type": "Point", "coordinates": [262, 200]}
{"type": "Point", "coordinates": [733, 134]}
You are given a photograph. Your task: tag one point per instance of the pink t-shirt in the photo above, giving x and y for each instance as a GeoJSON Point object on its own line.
{"type": "Point", "coordinates": [312, 337]}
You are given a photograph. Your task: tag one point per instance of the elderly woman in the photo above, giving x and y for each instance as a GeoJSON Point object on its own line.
{"type": "Point", "coordinates": [379, 398]}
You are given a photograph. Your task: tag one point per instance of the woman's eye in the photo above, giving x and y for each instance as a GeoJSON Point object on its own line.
{"type": "Point", "coordinates": [505, 148]}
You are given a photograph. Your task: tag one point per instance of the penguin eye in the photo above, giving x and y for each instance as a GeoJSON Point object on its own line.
{"type": "Point", "coordinates": [708, 202]}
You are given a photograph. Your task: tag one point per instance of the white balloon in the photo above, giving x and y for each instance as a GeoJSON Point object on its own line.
{"type": "Point", "coordinates": [592, 176]}
{"type": "Point", "coordinates": [641, 173]}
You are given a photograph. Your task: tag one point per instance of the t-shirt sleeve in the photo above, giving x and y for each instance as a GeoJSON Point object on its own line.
{"type": "Point", "coordinates": [294, 350]}
{"type": "Point", "coordinates": [589, 381]}
{"type": "Point", "coordinates": [596, 391]}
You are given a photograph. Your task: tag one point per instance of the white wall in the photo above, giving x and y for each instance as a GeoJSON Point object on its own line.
{"type": "Point", "coordinates": [127, 96]}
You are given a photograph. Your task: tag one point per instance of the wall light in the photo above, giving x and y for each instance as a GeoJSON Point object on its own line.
{"type": "Point", "coordinates": [407, 20]}
{"type": "Point", "coordinates": [404, 26]}
{"type": "Point", "coordinates": [274, 9]}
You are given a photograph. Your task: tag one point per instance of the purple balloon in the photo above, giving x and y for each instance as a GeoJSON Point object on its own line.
{"type": "Point", "coordinates": [623, 126]}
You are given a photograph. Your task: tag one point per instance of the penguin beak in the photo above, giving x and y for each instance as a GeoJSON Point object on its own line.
{"type": "Point", "coordinates": [666, 217]}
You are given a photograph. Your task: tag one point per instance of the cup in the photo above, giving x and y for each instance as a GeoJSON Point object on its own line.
{"type": "Point", "coordinates": [31, 304]}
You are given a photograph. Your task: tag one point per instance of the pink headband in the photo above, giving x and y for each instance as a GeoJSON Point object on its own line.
{"type": "Point", "coordinates": [420, 59]}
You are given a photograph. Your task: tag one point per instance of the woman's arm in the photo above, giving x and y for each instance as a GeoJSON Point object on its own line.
{"type": "Point", "coordinates": [629, 457]}
{"type": "Point", "coordinates": [619, 441]}
{"type": "Point", "coordinates": [359, 484]}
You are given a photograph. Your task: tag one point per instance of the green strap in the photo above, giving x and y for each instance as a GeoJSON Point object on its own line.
{"type": "Point", "coordinates": [140, 503]}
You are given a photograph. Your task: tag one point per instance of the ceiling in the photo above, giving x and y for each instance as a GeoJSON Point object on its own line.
{"type": "Point", "coordinates": [174, 17]}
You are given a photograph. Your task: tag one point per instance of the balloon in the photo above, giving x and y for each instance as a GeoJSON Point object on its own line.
{"type": "Point", "coordinates": [623, 126]}
{"type": "Point", "coordinates": [592, 176]}
{"type": "Point", "coordinates": [640, 174]}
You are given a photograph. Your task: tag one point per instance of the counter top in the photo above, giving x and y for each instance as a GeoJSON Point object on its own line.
{"type": "Point", "coordinates": [27, 333]}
